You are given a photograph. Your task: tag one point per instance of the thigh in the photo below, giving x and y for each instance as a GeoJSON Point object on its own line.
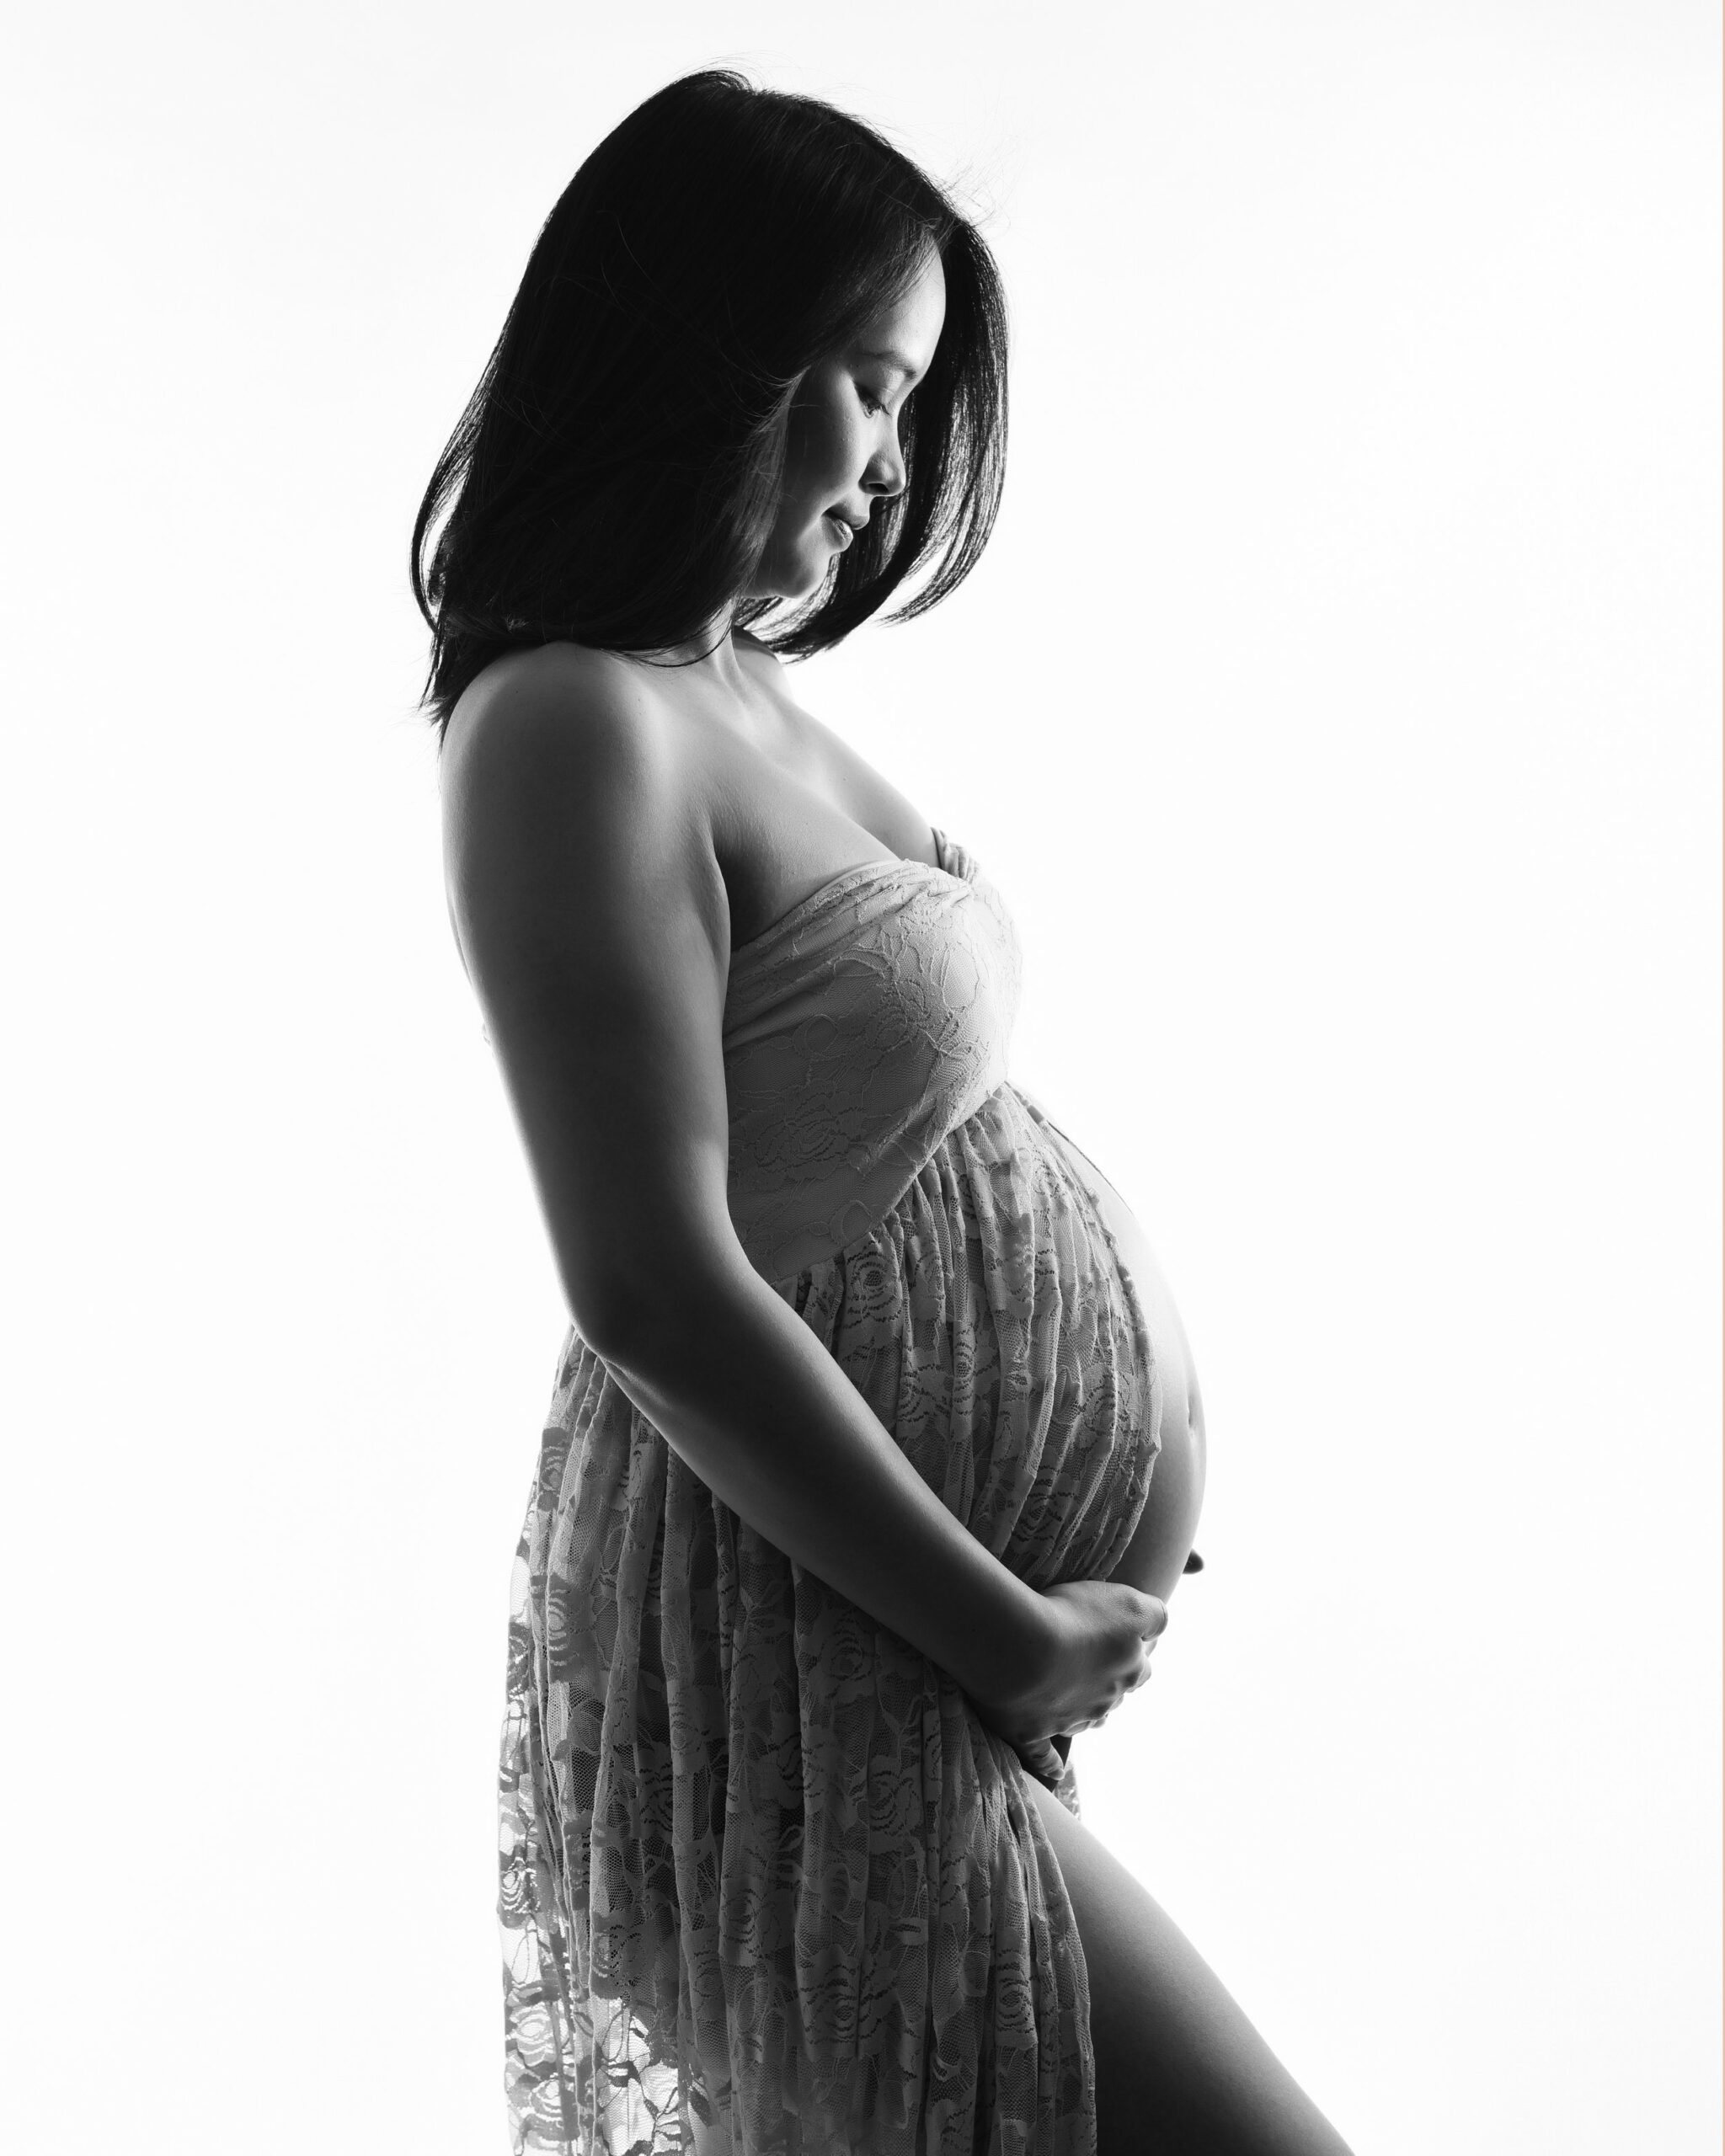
{"type": "Point", "coordinates": [1179, 2069]}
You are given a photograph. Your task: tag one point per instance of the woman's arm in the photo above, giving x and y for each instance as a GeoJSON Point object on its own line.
{"type": "Point", "coordinates": [747, 1395]}
{"type": "Point", "coordinates": [592, 918]}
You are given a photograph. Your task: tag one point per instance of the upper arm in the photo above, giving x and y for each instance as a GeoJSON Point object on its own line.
{"type": "Point", "coordinates": [591, 917]}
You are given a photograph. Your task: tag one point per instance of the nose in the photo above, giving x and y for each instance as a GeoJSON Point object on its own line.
{"type": "Point", "coordinates": [885, 472]}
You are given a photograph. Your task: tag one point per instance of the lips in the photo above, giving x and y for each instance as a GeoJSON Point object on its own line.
{"type": "Point", "coordinates": [839, 530]}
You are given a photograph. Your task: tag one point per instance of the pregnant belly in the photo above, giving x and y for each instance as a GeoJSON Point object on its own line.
{"type": "Point", "coordinates": [1155, 1557]}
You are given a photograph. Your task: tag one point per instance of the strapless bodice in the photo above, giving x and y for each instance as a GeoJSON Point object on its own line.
{"type": "Point", "coordinates": [859, 1030]}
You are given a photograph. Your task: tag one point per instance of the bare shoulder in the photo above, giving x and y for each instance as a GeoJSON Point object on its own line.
{"type": "Point", "coordinates": [560, 774]}
{"type": "Point", "coordinates": [562, 711]}
{"type": "Point", "coordinates": [845, 774]}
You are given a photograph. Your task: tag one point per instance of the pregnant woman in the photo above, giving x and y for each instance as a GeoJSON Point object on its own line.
{"type": "Point", "coordinates": [875, 1448]}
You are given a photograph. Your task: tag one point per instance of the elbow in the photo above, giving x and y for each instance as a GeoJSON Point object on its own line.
{"type": "Point", "coordinates": [607, 1311]}
{"type": "Point", "coordinates": [655, 1320]}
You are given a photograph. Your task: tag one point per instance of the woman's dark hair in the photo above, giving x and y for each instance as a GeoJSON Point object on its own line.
{"type": "Point", "coordinates": [616, 474]}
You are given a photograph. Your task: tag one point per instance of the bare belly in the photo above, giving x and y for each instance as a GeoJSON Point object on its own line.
{"type": "Point", "coordinates": [1153, 1560]}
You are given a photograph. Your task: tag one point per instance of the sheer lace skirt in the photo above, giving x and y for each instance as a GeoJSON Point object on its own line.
{"type": "Point", "coordinates": [769, 1886]}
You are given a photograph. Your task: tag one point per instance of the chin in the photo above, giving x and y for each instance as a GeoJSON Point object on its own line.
{"type": "Point", "coordinates": [790, 581]}
{"type": "Point", "coordinates": [793, 570]}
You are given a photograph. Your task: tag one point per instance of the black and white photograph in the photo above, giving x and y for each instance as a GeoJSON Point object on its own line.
{"type": "Point", "coordinates": [866, 1206]}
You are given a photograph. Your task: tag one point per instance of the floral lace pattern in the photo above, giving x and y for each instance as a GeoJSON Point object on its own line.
{"type": "Point", "coordinates": [769, 1886]}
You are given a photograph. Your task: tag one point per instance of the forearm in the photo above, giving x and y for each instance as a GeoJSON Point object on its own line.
{"type": "Point", "coordinates": [746, 1394]}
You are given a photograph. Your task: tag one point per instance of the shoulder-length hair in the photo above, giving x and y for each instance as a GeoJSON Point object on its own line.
{"type": "Point", "coordinates": [616, 474]}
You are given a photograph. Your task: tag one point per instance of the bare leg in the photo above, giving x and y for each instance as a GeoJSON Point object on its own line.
{"type": "Point", "coordinates": [1179, 2069]}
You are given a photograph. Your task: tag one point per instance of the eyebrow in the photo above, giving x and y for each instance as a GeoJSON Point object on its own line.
{"type": "Point", "coordinates": [893, 358]}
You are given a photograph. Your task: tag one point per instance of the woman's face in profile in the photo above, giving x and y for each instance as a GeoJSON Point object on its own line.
{"type": "Point", "coordinates": [843, 447]}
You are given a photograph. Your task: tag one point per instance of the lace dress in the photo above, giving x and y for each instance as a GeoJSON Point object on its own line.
{"type": "Point", "coordinates": [769, 1886]}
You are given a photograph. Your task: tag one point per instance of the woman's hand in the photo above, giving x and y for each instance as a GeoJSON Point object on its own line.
{"type": "Point", "coordinates": [1096, 1649]}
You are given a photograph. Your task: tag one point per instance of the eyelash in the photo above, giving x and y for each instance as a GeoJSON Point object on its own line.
{"type": "Point", "coordinates": [871, 403]}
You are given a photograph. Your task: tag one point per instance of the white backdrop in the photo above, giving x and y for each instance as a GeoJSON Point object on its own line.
{"type": "Point", "coordinates": [1337, 707]}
